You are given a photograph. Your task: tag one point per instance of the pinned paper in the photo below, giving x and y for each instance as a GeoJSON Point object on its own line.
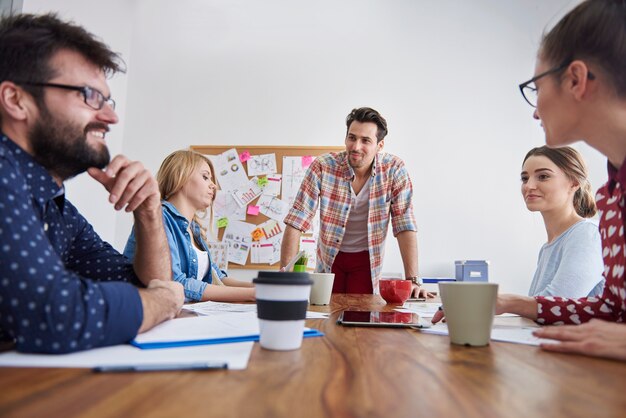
{"type": "Point", "coordinates": [222, 222]}
{"type": "Point", "coordinates": [272, 228]}
{"type": "Point", "coordinates": [244, 156]}
{"type": "Point", "coordinates": [257, 234]}
{"type": "Point", "coordinates": [253, 210]}
{"type": "Point", "coordinates": [306, 161]}
{"type": "Point", "coordinates": [262, 181]}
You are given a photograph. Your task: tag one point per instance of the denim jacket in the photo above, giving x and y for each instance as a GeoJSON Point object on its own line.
{"type": "Point", "coordinates": [184, 257]}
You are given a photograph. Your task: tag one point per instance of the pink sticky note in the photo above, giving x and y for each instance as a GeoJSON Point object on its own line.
{"type": "Point", "coordinates": [253, 210]}
{"type": "Point", "coordinates": [244, 156]}
{"type": "Point", "coordinates": [306, 161]}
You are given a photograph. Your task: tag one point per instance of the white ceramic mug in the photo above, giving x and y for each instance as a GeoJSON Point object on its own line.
{"type": "Point", "coordinates": [322, 288]}
{"type": "Point", "coordinates": [469, 309]}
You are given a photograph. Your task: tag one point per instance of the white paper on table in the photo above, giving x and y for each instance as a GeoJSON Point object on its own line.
{"type": "Point", "coordinates": [236, 355]}
{"type": "Point", "coordinates": [293, 174]}
{"type": "Point", "coordinates": [423, 309]}
{"type": "Point", "coordinates": [428, 309]}
{"type": "Point", "coordinates": [272, 187]}
{"type": "Point", "coordinates": [229, 325]}
{"type": "Point", "coordinates": [502, 333]}
{"type": "Point", "coordinates": [309, 245]}
{"type": "Point", "coordinates": [239, 238]}
{"type": "Point", "coordinates": [261, 164]}
{"type": "Point", "coordinates": [225, 206]}
{"type": "Point", "coordinates": [273, 207]}
{"type": "Point", "coordinates": [219, 308]}
{"type": "Point", "coordinates": [229, 171]}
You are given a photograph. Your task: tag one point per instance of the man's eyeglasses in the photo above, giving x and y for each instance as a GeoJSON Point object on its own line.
{"type": "Point", "coordinates": [530, 91]}
{"type": "Point", "coordinates": [92, 97]}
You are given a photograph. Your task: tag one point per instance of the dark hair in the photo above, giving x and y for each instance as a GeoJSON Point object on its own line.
{"type": "Point", "coordinates": [27, 42]}
{"type": "Point", "coordinates": [572, 164]}
{"type": "Point", "coordinates": [594, 31]}
{"type": "Point", "coordinates": [367, 114]}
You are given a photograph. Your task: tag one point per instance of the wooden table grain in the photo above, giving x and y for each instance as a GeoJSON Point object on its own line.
{"type": "Point", "coordinates": [351, 372]}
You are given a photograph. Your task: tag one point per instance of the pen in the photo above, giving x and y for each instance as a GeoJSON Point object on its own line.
{"type": "Point", "coordinates": [160, 367]}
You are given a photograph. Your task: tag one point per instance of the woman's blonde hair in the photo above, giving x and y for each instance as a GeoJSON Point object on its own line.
{"type": "Point", "coordinates": [176, 170]}
{"type": "Point", "coordinates": [572, 164]}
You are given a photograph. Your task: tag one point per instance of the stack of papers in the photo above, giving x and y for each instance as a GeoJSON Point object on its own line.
{"type": "Point", "coordinates": [210, 308]}
{"type": "Point", "coordinates": [504, 333]}
{"type": "Point", "coordinates": [204, 330]}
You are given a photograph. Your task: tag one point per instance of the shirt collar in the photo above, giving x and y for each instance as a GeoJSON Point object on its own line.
{"type": "Point", "coordinates": [349, 171]}
{"type": "Point", "coordinates": [175, 213]}
{"type": "Point", "coordinates": [41, 184]}
{"type": "Point", "coordinates": [615, 175]}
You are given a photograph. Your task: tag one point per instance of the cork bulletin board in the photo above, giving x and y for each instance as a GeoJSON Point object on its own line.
{"type": "Point", "coordinates": [280, 151]}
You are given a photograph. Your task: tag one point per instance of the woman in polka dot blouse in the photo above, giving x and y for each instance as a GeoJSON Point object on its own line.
{"type": "Point", "coordinates": [579, 91]}
{"type": "Point", "coordinates": [186, 185]}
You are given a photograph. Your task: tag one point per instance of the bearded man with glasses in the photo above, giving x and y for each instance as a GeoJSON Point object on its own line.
{"type": "Point", "coordinates": [62, 288]}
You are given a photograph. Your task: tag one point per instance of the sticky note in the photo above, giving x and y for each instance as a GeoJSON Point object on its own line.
{"type": "Point", "coordinates": [262, 181]}
{"type": "Point", "coordinates": [244, 156]}
{"type": "Point", "coordinates": [306, 161]}
{"type": "Point", "coordinates": [222, 222]}
{"type": "Point", "coordinates": [257, 234]}
{"type": "Point", "coordinates": [253, 210]}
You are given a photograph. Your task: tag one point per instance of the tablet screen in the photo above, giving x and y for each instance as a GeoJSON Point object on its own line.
{"type": "Point", "coordinates": [381, 319]}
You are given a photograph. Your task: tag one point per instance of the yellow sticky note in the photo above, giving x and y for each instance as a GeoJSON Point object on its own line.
{"type": "Point", "coordinates": [222, 222]}
{"type": "Point", "coordinates": [262, 181]}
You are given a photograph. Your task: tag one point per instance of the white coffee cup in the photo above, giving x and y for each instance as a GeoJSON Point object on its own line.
{"type": "Point", "coordinates": [469, 309]}
{"type": "Point", "coordinates": [322, 288]}
{"type": "Point", "coordinates": [282, 301]}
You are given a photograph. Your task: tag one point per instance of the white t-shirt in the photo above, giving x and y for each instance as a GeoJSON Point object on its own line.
{"type": "Point", "coordinates": [355, 236]}
{"type": "Point", "coordinates": [203, 262]}
{"type": "Point", "coordinates": [571, 266]}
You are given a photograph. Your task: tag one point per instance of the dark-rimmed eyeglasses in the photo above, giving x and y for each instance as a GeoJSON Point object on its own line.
{"type": "Point", "coordinates": [92, 97]}
{"type": "Point", "coordinates": [529, 92]}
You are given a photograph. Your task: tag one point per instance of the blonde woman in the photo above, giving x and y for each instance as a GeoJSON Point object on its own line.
{"type": "Point", "coordinates": [186, 185]}
{"type": "Point", "coordinates": [555, 184]}
{"type": "Point", "coordinates": [579, 92]}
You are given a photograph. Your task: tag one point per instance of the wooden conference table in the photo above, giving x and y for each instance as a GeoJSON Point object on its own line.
{"type": "Point", "coordinates": [351, 372]}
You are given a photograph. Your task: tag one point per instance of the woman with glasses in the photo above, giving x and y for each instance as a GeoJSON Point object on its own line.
{"type": "Point", "coordinates": [186, 185]}
{"type": "Point", "coordinates": [554, 183]}
{"type": "Point", "coordinates": [579, 92]}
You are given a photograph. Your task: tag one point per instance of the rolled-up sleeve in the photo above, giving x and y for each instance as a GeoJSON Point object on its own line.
{"type": "Point", "coordinates": [402, 217]}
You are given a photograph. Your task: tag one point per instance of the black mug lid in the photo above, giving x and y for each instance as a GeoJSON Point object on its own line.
{"type": "Point", "coordinates": [283, 277]}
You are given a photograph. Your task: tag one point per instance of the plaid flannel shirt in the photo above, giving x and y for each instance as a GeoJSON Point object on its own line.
{"type": "Point", "coordinates": [328, 184]}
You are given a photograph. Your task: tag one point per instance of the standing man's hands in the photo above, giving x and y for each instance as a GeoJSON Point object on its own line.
{"type": "Point", "coordinates": [419, 293]}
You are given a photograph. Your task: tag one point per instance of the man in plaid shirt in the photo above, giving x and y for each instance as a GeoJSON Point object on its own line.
{"type": "Point", "coordinates": [358, 191]}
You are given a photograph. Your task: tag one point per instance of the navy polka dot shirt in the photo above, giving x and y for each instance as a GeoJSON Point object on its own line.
{"type": "Point", "coordinates": [62, 288]}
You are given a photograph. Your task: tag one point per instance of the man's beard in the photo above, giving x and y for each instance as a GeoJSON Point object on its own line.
{"type": "Point", "coordinates": [61, 146]}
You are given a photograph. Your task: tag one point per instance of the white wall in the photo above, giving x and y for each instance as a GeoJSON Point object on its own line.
{"type": "Point", "coordinates": [443, 73]}
{"type": "Point", "coordinates": [111, 21]}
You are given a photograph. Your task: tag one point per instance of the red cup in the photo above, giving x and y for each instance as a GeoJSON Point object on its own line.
{"type": "Point", "coordinates": [395, 291]}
